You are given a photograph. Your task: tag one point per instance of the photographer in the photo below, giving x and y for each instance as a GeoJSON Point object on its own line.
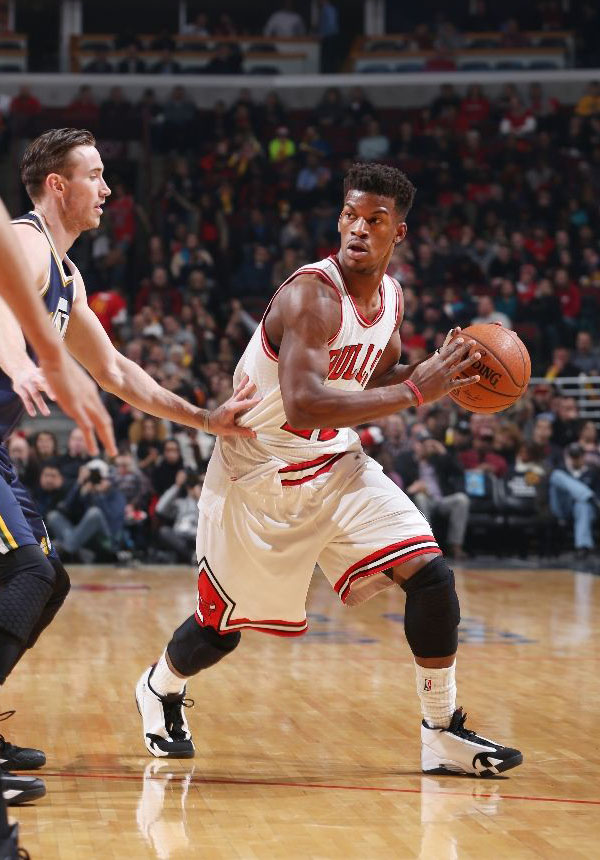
{"type": "Point", "coordinates": [92, 515]}
{"type": "Point", "coordinates": [180, 505]}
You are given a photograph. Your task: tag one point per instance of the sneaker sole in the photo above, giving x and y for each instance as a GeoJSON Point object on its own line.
{"type": "Point", "coordinates": [507, 764]}
{"type": "Point", "coordinates": [27, 795]}
{"type": "Point", "coordinates": [11, 765]}
{"type": "Point", "coordinates": [160, 753]}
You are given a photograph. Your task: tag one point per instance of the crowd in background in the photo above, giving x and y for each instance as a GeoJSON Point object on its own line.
{"type": "Point", "coordinates": [505, 227]}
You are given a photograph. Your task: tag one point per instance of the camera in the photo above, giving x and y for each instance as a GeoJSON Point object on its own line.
{"type": "Point", "coordinates": [95, 476]}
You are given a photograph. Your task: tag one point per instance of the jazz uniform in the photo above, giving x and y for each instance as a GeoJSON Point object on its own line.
{"type": "Point", "coordinates": [273, 507]}
{"type": "Point", "coordinates": [20, 523]}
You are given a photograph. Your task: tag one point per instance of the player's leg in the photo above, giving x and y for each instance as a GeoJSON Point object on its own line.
{"type": "Point", "coordinates": [383, 539]}
{"type": "Point", "coordinates": [160, 692]}
{"type": "Point", "coordinates": [431, 619]}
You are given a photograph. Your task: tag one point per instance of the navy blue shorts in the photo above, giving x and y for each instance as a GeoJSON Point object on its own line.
{"type": "Point", "coordinates": [20, 523]}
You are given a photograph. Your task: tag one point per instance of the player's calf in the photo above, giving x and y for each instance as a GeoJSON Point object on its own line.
{"type": "Point", "coordinates": [160, 692]}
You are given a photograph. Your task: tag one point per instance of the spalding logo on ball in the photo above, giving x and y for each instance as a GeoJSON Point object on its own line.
{"type": "Point", "coordinates": [504, 369]}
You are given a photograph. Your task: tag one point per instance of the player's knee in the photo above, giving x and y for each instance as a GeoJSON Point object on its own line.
{"type": "Point", "coordinates": [432, 613]}
{"type": "Point", "coordinates": [62, 582]}
{"type": "Point", "coordinates": [27, 581]}
{"type": "Point", "coordinates": [193, 648]}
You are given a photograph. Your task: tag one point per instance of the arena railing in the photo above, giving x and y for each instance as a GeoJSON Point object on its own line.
{"type": "Point", "coordinates": [585, 389]}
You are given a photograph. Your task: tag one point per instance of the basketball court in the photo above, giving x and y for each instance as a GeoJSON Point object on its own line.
{"type": "Point", "coordinates": [310, 747]}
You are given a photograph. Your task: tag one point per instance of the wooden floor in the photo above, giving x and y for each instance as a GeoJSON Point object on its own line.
{"type": "Point", "coordinates": [309, 748]}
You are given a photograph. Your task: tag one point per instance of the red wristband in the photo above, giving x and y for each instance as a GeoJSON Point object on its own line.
{"type": "Point", "coordinates": [415, 391]}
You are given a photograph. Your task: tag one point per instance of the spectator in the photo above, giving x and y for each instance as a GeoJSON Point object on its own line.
{"type": "Point", "coordinates": [285, 23]}
{"type": "Point", "coordinates": [435, 481]}
{"type": "Point", "coordinates": [100, 64]}
{"type": "Point", "coordinates": [197, 27]}
{"type": "Point", "coordinates": [132, 63]}
{"type": "Point", "coordinates": [23, 459]}
{"type": "Point", "coordinates": [481, 454]}
{"type": "Point", "coordinates": [51, 489]}
{"type": "Point", "coordinates": [254, 277]}
{"type": "Point", "coordinates": [83, 108]}
{"type": "Point", "coordinates": [518, 120]}
{"type": "Point", "coordinates": [167, 65]}
{"type": "Point", "coordinates": [589, 103]}
{"type": "Point", "coordinates": [328, 30]}
{"type": "Point", "coordinates": [331, 110]}
{"type": "Point", "coordinates": [565, 427]}
{"type": "Point", "coordinates": [91, 515]}
{"type": "Point", "coordinates": [441, 60]}
{"type": "Point", "coordinates": [166, 467]}
{"type": "Point", "coordinates": [486, 313]}
{"type": "Point", "coordinates": [575, 494]}
{"type": "Point", "coordinates": [282, 146]}
{"type": "Point", "coordinates": [373, 145]}
{"type": "Point", "coordinates": [561, 364]}
{"type": "Point", "coordinates": [115, 111]}
{"type": "Point", "coordinates": [226, 61]}
{"type": "Point", "coordinates": [45, 446]}
{"type": "Point", "coordinates": [586, 358]}
{"type": "Point", "coordinates": [182, 512]}
{"type": "Point", "coordinates": [75, 457]}
{"type": "Point", "coordinates": [25, 104]}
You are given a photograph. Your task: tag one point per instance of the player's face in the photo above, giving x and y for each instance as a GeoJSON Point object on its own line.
{"type": "Point", "coordinates": [85, 190]}
{"type": "Point", "coordinates": [370, 228]}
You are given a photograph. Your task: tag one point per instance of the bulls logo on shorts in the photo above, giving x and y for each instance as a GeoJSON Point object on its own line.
{"type": "Point", "coordinates": [211, 606]}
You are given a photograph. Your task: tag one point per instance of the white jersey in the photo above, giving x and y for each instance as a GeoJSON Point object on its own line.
{"type": "Point", "coordinates": [354, 352]}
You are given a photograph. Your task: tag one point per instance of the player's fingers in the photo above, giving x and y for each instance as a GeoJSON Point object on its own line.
{"type": "Point", "coordinates": [452, 347]}
{"type": "Point", "coordinates": [26, 401]}
{"type": "Point", "coordinates": [241, 384]}
{"type": "Point", "coordinates": [452, 333]}
{"type": "Point", "coordinates": [106, 434]}
{"type": "Point", "coordinates": [39, 402]}
{"type": "Point", "coordinates": [468, 362]}
{"type": "Point", "coordinates": [243, 431]}
{"type": "Point", "coordinates": [467, 380]}
{"type": "Point", "coordinates": [44, 385]}
{"type": "Point", "coordinates": [88, 434]}
{"type": "Point", "coordinates": [246, 392]}
{"type": "Point", "coordinates": [243, 405]}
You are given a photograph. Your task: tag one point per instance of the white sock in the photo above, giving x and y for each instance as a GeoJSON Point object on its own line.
{"type": "Point", "coordinates": [163, 681]}
{"type": "Point", "coordinates": [436, 689]}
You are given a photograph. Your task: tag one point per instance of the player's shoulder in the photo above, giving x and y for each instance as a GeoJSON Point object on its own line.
{"type": "Point", "coordinates": [33, 244]}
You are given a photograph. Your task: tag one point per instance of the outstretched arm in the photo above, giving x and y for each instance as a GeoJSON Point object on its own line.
{"type": "Point", "coordinates": [89, 343]}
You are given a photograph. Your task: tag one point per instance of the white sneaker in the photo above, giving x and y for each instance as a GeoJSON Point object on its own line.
{"type": "Point", "coordinates": [458, 750]}
{"type": "Point", "coordinates": [166, 732]}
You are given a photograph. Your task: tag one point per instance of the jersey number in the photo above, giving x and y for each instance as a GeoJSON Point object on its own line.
{"type": "Point", "coordinates": [323, 435]}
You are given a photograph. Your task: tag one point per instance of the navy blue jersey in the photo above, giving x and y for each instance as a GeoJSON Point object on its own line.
{"type": "Point", "coordinates": [58, 294]}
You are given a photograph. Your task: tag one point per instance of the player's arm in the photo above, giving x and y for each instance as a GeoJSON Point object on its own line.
{"type": "Point", "coordinates": [21, 276]}
{"type": "Point", "coordinates": [89, 343]}
{"type": "Point", "coordinates": [388, 371]}
{"type": "Point", "coordinates": [309, 317]}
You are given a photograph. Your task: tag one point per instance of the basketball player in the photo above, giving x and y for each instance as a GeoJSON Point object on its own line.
{"type": "Point", "coordinates": [325, 358]}
{"type": "Point", "coordinates": [62, 378]}
{"type": "Point", "coordinates": [63, 174]}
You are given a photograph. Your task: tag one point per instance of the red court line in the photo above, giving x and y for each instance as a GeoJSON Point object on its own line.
{"type": "Point", "coordinates": [199, 780]}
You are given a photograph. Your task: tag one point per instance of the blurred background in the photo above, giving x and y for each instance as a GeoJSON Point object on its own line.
{"type": "Point", "coordinates": [226, 130]}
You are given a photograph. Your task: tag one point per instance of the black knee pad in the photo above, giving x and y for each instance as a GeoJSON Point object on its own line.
{"type": "Point", "coordinates": [62, 586]}
{"type": "Point", "coordinates": [27, 581]}
{"type": "Point", "coordinates": [432, 612]}
{"type": "Point", "coordinates": [193, 648]}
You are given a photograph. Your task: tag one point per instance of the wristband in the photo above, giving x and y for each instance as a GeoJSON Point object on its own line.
{"type": "Point", "coordinates": [206, 427]}
{"type": "Point", "coordinates": [415, 391]}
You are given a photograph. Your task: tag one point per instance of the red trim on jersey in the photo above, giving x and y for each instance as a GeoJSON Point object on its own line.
{"type": "Point", "coordinates": [306, 464]}
{"type": "Point", "coordinates": [365, 323]}
{"type": "Point", "coordinates": [399, 301]}
{"type": "Point", "coordinates": [268, 349]}
{"type": "Point", "coordinates": [398, 554]}
{"type": "Point", "coordinates": [331, 461]}
{"type": "Point", "coordinates": [260, 626]}
{"type": "Point", "coordinates": [304, 270]}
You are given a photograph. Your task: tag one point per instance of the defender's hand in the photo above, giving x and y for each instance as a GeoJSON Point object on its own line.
{"type": "Point", "coordinates": [31, 384]}
{"type": "Point", "coordinates": [222, 421]}
{"type": "Point", "coordinates": [77, 395]}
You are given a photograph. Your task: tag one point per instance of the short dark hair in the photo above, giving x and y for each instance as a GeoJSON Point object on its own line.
{"type": "Point", "coordinates": [50, 153]}
{"type": "Point", "coordinates": [381, 179]}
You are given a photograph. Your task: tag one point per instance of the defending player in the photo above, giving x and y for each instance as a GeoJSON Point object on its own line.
{"type": "Point", "coordinates": [63, 174]}
{"type": "Point", "coordinates": [325, 358]}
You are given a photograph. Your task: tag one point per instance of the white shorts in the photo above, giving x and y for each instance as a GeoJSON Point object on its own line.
{"type": "Point", "coordinates": [260, 537]}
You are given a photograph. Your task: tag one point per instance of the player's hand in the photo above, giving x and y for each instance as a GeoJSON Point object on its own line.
{"type": "Point", "coordinates": [440, 373]}
{"type": "Point", "coordinates": [78, 397]}
{"type": "Point", "coordinates": [222, 421]}
{"type": "Point", "coordinates": [31, 384]}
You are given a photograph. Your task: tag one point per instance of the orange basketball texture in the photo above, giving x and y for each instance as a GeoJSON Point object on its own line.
{"type": "Point", "coordinates": [504, 368]}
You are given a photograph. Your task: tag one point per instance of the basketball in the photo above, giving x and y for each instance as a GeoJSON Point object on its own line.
{"type": "Point", "coordinates": [504, 369]}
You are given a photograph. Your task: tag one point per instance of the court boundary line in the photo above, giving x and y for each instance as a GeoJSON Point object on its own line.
{"type": "Point", "coordinates": [199, 780]}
